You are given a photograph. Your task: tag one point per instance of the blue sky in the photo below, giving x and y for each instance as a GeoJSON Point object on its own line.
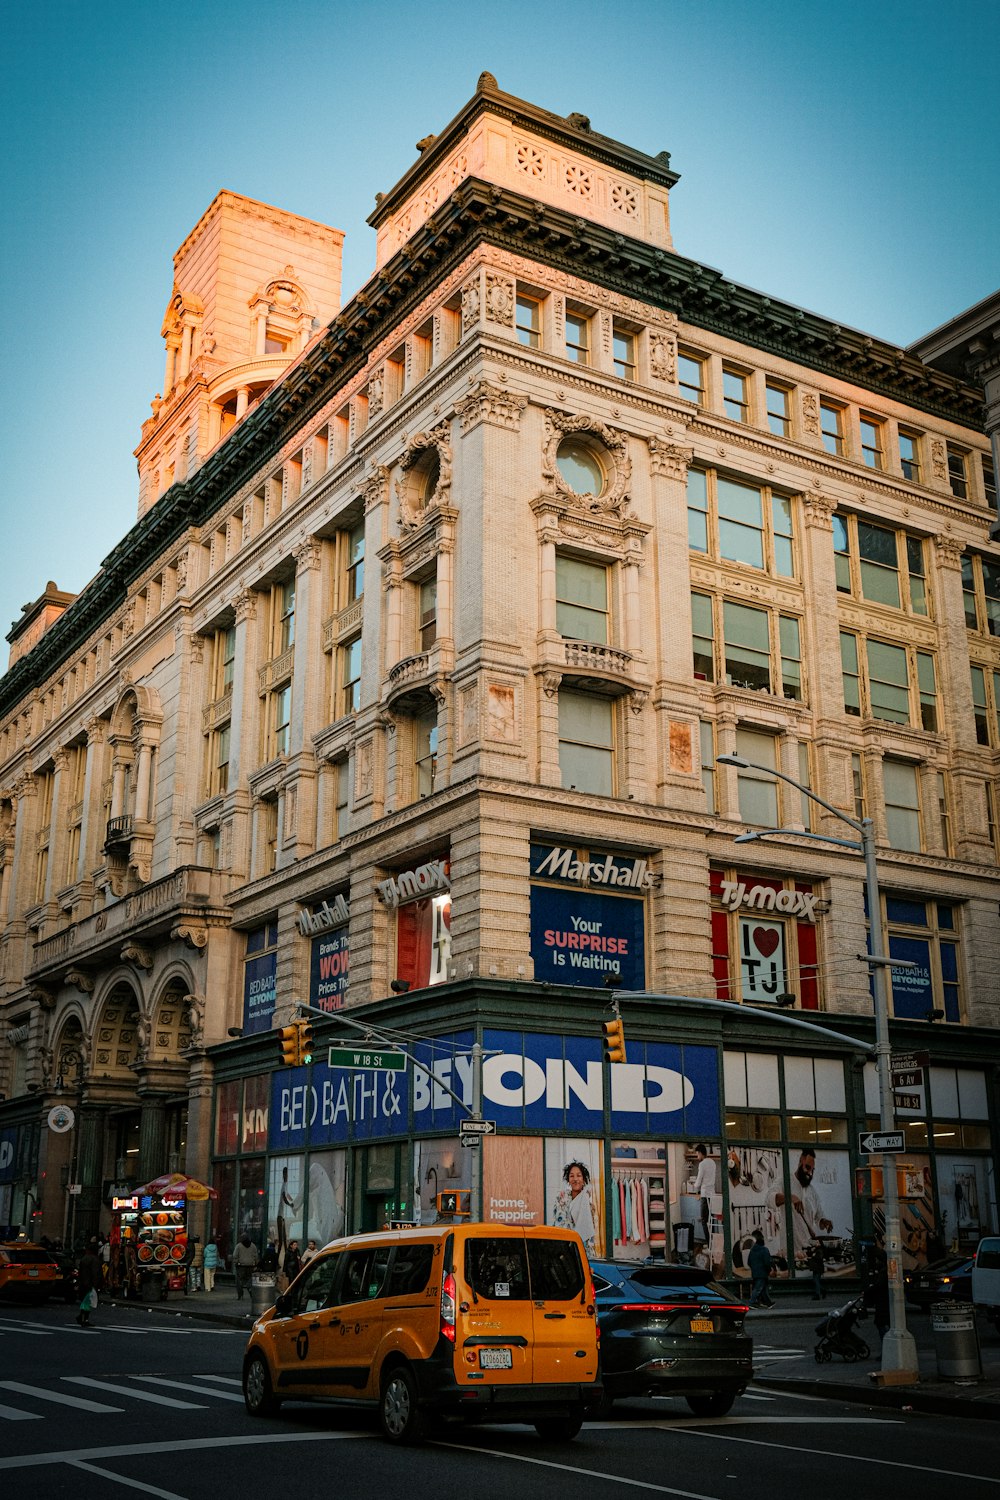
{"type": "Point", "coordinates": [840, 156]}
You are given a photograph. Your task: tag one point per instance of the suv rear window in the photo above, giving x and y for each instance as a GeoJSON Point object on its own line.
{"type": "Point", "coordinates": [500, 1268]}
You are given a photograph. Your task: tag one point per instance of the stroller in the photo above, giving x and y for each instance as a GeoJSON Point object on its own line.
{"type": "Point", "coordinates": [837, 1334]}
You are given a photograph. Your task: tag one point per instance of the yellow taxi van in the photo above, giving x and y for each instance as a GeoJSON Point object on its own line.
{"type": "Point", "coordinates": [27, 1272]}
{"type": "Point", "coordinates": [481, 1322]}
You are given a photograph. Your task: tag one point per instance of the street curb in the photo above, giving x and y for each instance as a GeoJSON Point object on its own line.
{"type": "Point", "coordinates": [171, 1310]}
{"type": "Point", "coordinates": [901, 1398]}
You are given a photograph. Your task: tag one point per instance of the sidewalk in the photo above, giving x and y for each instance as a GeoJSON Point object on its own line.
{"type": "Point", "coordinates": [791, 1323]}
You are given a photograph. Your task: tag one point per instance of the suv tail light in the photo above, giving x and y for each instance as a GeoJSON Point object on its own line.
{"type": "Point", "coordinates": [448, 1308]}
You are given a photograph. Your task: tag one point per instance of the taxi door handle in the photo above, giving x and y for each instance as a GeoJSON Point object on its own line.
{"type": "Point", "coordinates": [555, 1315]}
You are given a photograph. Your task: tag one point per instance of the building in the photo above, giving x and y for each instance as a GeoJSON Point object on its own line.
{"type": "Point", "coordinates": [404, 697]}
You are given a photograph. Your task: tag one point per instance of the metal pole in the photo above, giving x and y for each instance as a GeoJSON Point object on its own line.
{"type": "Point", "coordinates": [476, 1193]}
{"type": "Point", "coordinates": [899, 1350]}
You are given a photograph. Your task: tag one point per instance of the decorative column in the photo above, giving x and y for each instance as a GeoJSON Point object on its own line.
{"type": "Point", "coordinates": [58, 828]}
{"type": "Point", "coordinates": [93, 831]}
{"type": "Point", "coordinates": [152, 1136]}
{"type": "Point", "coordinates": [244, 701]}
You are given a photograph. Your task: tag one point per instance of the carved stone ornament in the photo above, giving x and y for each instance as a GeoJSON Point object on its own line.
{"type": "Point", "coordinates": [376, 393]}
{"type": "Point", "coordinates": [375, 489]}
{"type": "Point", "coordinates": [133, 953]}
{"type": "Point", "coordinates": [308, 555]}
{"type": "Point", "coordinates": [412, 506]}
{"type": "Point", "coordinates": [42, 998]}
{"type": "Point", "coordinates": [551, 683]}
{"type": "Point", "coordinates": [938, 460]}
{"type": "Point", "coordinates": [637, 700]}
{"type": "Point", "coordinates": [499, 299]}
{"type": "Point", "coordinates": [949, 550]}
{"type": "Point", "coordinates": [490, 403]}
{"type": "Point", "coordinates": [810, 413]}
{"type": "Point", "coordinates": [470, 305]}
{"type": "Point", "coordinates": [663, 356]}
{"type": "Point", "coordinates": [819, 511]}
{"type": "Point", "coordinates": [195, 934]}
{"type": "Point", "coordinates": [614, 499]}
{"type": "Point", "coordinates": [79, 980]}
{"type": "Point", "coordinates": [245, 605]}
{"type": "Point", "coordinates": [195, 1006]}
{"type": "Point", "coordinates": [669, 460]}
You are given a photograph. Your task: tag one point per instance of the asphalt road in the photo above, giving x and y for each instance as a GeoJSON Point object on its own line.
{"type": "Point", "coordinates": [151, 1403]}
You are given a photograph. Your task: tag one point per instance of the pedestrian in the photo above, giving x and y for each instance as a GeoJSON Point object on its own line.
{"type": "Point", "coordinates": [877, 1294]}
{"type": "Point", "coordinates": [815, 1267]}
{"type": "Point", "coordinates": [245, 1258]}
{"type": "Point", "coordinates": [760, 1262]}
{"type": "Point", "coordinates": [308, 1253]}
{"type": "Point", "coordinates": [293, 1260]}
{"type": "Point", "coordinates": [89, 1273]}
{"type": "Point", "coordinates": [210, 1264]}
{"type": "Point", "coordinates": [269, 1260]}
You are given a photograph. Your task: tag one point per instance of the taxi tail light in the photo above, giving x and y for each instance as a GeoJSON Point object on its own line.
{"type": "Point", "coordinates": [592, 1305]}
{"type": "Point", "coordinates": [448, 1308]}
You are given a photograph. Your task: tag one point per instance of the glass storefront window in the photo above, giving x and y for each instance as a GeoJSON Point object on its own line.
{"type": "Point", "coordinates": [227, 1118]}
{"type": "Point", "coordinates": [255, 1111]}
{"type": "Point", "coordinates": [753, 1127]}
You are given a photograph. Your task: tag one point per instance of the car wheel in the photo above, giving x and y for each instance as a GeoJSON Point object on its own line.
{"type": "Point", "coordinates": [559, 1429]}
{"type": "Point", "coordinates": [864, 1352]}
{"type": "Point", "coordinates": [712, 1406]}
{"type": "Point", "coordinates": [258, 1392]}
{"type": "Point", "coordinates": [402, 1420]}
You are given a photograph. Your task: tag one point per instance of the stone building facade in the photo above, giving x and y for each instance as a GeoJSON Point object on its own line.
{"type": "Point", "coordinates": [404, 698]}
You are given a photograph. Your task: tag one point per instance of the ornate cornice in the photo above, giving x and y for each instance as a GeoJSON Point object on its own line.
{"type": "Point", "coordinates": [491, 403]}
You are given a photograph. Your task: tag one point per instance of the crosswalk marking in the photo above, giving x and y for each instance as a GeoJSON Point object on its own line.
{"type": "Point", "coordinates": [128, 1390]}
{"type": "Point", "coordinates": [185, 1385]}
{"type": "Point", "coordinates": [19, 1387]}
{"type": "Point", "coordinates": [222, 1379]}
{"type": "Point", "coordinates": [14, 1414]}
{"type": "Point", "coordinates": [10, 1326]}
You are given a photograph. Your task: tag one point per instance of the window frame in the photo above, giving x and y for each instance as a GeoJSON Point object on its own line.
{"type": "Point", "coordinates": [718, 525]}
{"type": "Point", "coordinates": [957, 467]}
{"type": "Point", "coordinates": [923, 703]}
{"type": "Point", "coordinates": [778, 423]}
{"type": "Point", "coordinates": [625, 366]}
{"type": "Point", "coordinates": [736, 407]}
{"type": "Point", "coordinates": [565, 603]}
{"type": "Point", "coordinates": [720, 644]}
{"type": "Point", "coordinates": [915, 808]}
{"type": "Point", "coordinates": [582, 321]}
{"type": "Point", "coordinates": [350, 685]}
{"type": "Point", "coordinates": [832, 436]}
{"type": "Point", "coordinates": [909, 462]}
{"type": "Point", "coordinates": [974, 579]}
{"type": "Point", "coordinates": [528, 334]}
{"type": "Point", "coordinates": [872, 452]}
{"type": "Point", "coordinates": [986, 704]}
{"type": "Point", "coordinates": [607, 751]}
{"type": "Point", "coordinates": [853, 569]}
{"type": "Point", "coordinates": [699, 363]}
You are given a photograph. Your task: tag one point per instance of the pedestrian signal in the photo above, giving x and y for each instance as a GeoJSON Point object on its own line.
{"type": "Point", "coordinates": [614, 1040]}
{"type": "Point", "coordinates": [290, 1038]}
{"type": "Point", "coordinates": [454, 1204]}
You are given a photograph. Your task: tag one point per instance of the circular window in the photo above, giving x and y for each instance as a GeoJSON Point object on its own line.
{"type": "Point", "coordinates": [579, 467]}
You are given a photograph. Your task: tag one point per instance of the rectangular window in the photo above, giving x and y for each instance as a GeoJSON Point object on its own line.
{"type": "Point", "coordinates": [858, 785]}
{"type": "Point", "coordinates": [578, 338]}
{"type": "Point", "coordinates": [872, 443]}
{"type": "Point", "coordinates": [581, 600]}
{"type": "Point", "coordinates": [735, 398]}
{"type": "Point", "coordinates": [831, 423]}
{"type": "Point", "coordinates": [986, 705]}
{"type": "Point", "coordinates": [747, 647]}
{"type": "Point", "coordinates": [851, 672]}
{"type": "Point", "coordinates": [902, 804]}
{"type": "Point", "coordinates": [529, 322]}
{"type": "Point", "coordinates": [282, 617]}
{"type": "Point", "coordinates": [708, 763]}
{"type": "Point", "coordinates": [888, 686]}
{"type": "Point", "coordinates": [958, 477]}
{"type": "Point", "coordinates": [926, 933]}
{"type": "Point", "coordinates": [758, 792]}
{"type": "Point", "coordinates": [761, 649]}
{"type": "Point", "coordinates": [909, 455]}
{"type": "Point", "coordinates": [703, 635]}
{"type": "Point", "coordinates": [791, 657]}
{"type": "Point", "coordinates": [219, 782]}
{"type": "Point", "coordinates": [282, 717]}
{"type": "Point", "coordinates": [691, 378]}
{"type": "Point", "coordinates": [350, 680]}
{"type": "Point", "coordinates": [428, 614]}
{"type": "Point", "coordinates": [623, 353]}
{"type": "Point", "coordinates": [890, 682]}
{"type": "Point", "coordinates": [992, 821]}
{"type": "Point", "coordinates": [342, 771]}
{"type": "Point", "coordinates": [355, 564]}
{"type": "Point", "coordinates": [981, 593]}
{"type": "Point", "coordinates": [743, 523]}
{"type": "Point", "coordinates": [778, 410]}
{"type": "Point", "coordinates": [989, 483]}
{"type": "Point", "coordinates": [944, 821]}
{"type": "Point", "coordinates": [426, 739]}
{"type": "Point", "coordinates": [586, 743]}
{"type": "Point", "coordinates": [223, 661]}
{"type": "Point", "coordinates": [879, 564]}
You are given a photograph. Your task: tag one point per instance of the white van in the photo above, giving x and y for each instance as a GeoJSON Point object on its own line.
{"type": "Point", "coordinates": [986, 1278]}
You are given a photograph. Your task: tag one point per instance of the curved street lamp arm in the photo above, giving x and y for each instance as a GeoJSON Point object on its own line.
{"type": "Point", "coordinates": [801, 833]}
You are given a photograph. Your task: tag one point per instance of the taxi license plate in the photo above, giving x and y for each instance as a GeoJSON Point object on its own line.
{"type": "Point", "coordinates": [32, 1273]}
{"type": "Point", "coordinates": [495, 1359]}
{"type": "Point", "coordinates": [702, 1325]}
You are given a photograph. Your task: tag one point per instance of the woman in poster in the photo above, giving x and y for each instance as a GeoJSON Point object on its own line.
{"type": "Point", "coordinates": [573, 1208]}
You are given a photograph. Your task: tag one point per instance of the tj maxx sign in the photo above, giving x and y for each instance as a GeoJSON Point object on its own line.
{"type": "Point", "coordinates": [736, 895]}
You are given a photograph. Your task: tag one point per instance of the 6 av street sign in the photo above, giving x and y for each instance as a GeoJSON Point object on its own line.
{"type": "Point", "coordinates": [887, 1140]}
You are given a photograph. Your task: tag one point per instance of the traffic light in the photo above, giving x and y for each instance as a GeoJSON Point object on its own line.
{"type": "Point", "coordinates": [305, 1042]}
{"type": "Point", "coordinates": [614, 1040]}
{"type": "Point", "coordinates": [290, 1038]}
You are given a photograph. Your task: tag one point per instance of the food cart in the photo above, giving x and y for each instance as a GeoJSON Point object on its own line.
{"type": "Point", "coordinates": [148, 1245]}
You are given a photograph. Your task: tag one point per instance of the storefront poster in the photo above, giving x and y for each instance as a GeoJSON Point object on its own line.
{"type": "Point", "coordinates": [912, 989]}
{"type": "Point", "coordinates": [329, 964]}
{"type": "Point", "coordinates": [285, 1199]}
{"type": "Point", "coordinates": [793, 1197]}
{"type": "Point", "coordinates": [260, 988]}
{"type": "Point", "coordinates": [580, 936]}
{"type": "Point", "coordinates": [327, 1196]}
{"type": "Point", "coordinates": [762, 959]}
{"type": "Point", "coordinates": [574, 1183]}
{"type": "Point", "coordinates": [513, 1188]}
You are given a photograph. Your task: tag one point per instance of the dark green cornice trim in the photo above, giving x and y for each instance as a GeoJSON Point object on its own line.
{"type": "Point", "coordinates": [476, 213]}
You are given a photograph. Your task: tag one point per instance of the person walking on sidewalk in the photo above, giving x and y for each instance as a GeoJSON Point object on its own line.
{"type": "Point", "coordinates": [89, 1276]}
{"type": "Point", "coordinates": [210, 1264]}
{"type": "Point", "coordinates": [245, 1257]}
{"type": "Point", "coordinates": [760, 1262]}
{"type": "Point", "coordinates": [815, 1267]}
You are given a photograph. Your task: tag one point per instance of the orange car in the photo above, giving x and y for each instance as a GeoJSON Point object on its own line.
{"type": "Point", "coordinates": [27, 1272]}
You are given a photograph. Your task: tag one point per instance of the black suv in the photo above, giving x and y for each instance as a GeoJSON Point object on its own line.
{"type": "Point", "coordinates": [670, 1331]}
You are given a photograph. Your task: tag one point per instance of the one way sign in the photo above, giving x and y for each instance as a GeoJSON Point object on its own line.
{"type": "Point", "coordinates": [888, 1140]}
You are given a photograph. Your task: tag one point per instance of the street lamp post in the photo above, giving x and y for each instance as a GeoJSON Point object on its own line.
{"type": "Point", "coordinates": [899, 1350]}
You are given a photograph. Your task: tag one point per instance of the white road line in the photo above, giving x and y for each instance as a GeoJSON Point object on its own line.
{"type": "Point", "coordinates": [754, 1396]}
{"type": "Point", "coordinates": [787, 1395]}
{"type": "Point", "coordinates": [14, 1414]}
{"type": "Point", "coordinates": [185, 1385]}
{"type": "Point", "coordinates": [134, 1484]}
{"type": "Point", "coordinates": [222, 1379]}
{"type": "Point", "coordinates": [547, 1463]}
{"type": "Point", "coordinates": [28, 1328]}
{"type": "Point", "coordinates": [169, 1450]}
{"type": "Point", "coordinates": [127, 1390]}
{"type": "Point", "coordinates": [18, 1386]}
{"type": "Point", "coordinates": [886, 1463]}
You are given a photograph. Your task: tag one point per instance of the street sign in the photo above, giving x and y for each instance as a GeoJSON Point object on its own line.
{"type": "Point", "coordinates": [906, 1060]}
{"type": "Point", "coordinates": [886, 1140]}
{"type": "Point", "coordinates": [907, 1078]}
{"type": "Point", "coordinates": [470, 1140]}
{"type": "Point", "coordinates": [478, 1127]}
{"type": "Point", "coordinates": [379, 1058]}
{"type": "Point", "coordinates": [909, 1101]}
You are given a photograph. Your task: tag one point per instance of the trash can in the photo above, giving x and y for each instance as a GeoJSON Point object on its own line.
{"type": "Point", "coordinates": [263, 1291]}
{"type": "Point", "coordinates": [152, 1284]}
{"type": "Point", "coordinates": [956, 1341]}
{"type": "Point", "coordinates": [682, 1242]}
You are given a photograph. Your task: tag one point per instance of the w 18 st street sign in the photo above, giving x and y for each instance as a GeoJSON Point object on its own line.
{"type": "Point", "coordinates": [887, 1140]}
{"type": "Point", "coordinates": [368, 1057]}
